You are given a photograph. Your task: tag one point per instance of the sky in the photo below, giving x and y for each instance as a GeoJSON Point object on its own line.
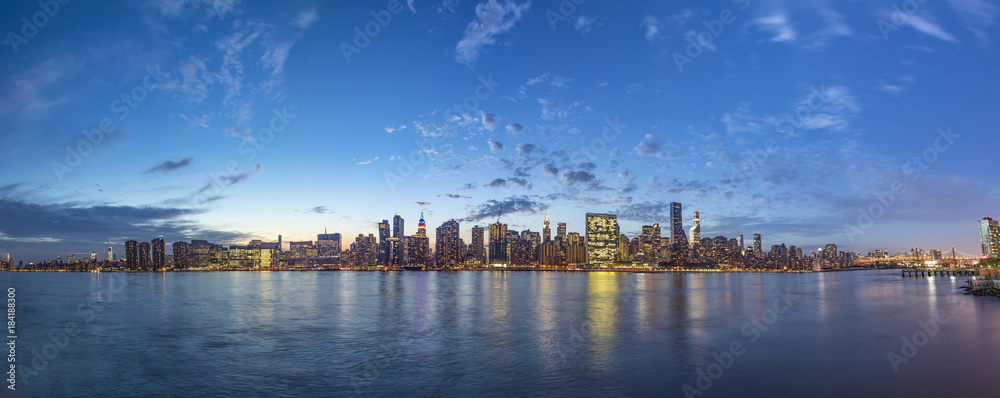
{"type": "Point", "coordinates": [871, 125]}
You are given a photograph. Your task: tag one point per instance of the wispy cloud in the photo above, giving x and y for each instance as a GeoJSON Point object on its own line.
{"type": "Point", "coordinates": [650, 26]}
{"type": "Point", "coordinates": [778, 25]}
{"type": "Point", "coordinates": [170, 165]}
{"type": "Point", "coordinates": [495, 146]}
{"type": "Point", "coordinates": [652, 146]}
{"type": "Point", "coordinates": [369, 161]}
{"type": "Point", "coordinates": [511, 205]}
{"type": "Point", "coordinates": [929, 28]}
{"type": "Point", "coordinates": [489, 120]}
{"type": "Point", "coordinates": [454, 196]}
{"type": "Point", "coordinates": [492, 19]}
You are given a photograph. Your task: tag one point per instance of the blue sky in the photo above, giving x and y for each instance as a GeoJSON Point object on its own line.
{"type": "Point", "coordinates": [229, 121]}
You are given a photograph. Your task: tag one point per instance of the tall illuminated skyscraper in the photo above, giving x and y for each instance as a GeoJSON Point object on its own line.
{"type": "Point", "coordinates": [696, 229]}
{"type": "Point", "coordinates": [159, 254]}
{"type": "Point", "coordinates": [989, 235]}
{"type": "Point", "coordinates": [421, 226]}
{"type": "Point", "coordinates": [398, 254]}
{"type": "Point", "coordinates": [132, 255]}
{"type": "Point", "coordinates": [757, 249]}
{"type": "Point", "coordinates": [111, 255]}
{"type": "Point", "coordinates": [476, 249]}
{"type": "Point", "coordinates": [602, 238]}
{"type": "Point", "coordinates": [383, 242]}
{"type": "Point", "coordinates": [546, 230]}
{"type": "Point", "coordinates": [677, 237]}
{"type": "Point", "coordinates": [448, 246]}
{"type": "Point", "coordinates": [498, 244]}
{"type": "Point", "coordinates": [180, 250]}
{"type": "Point", "coordinates": [649, 242]}
{"type": "Point", "coordinates": [144, 256]}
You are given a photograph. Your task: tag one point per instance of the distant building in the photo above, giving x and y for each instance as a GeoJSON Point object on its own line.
{"type": "Point", "coordinates": [397, 254]}
{"type": "Point", "coordinates": [300, 249]}
{"type": "Point", "coordinates": [180, 250]}
{"type": "Point", "coordinates": [677, 237]}
{"type": "Point", "coordinates": [576, 251]}
{"type": "Point", "coordinates": [364, 251]}
{"type": "Point", "coordinates": [383, 242]}
{"type": "Point", "coordinates": [144, 263]}
{"type": "Point", "coordinates": [498, 244]}
{"type": "Point", "coordinates": [546, 230]}
{"type": "Point", "coordinates": [649, 243]}
{"type": "Point", "coordinates": [477, 248]}
{"type": "Point", "coordinates": [328, 245]}
{"type": "Point", "coordinates": [989, 235]}
{"type": "Point", "coordinates": [199, 253]}
{"type": "Point", "coordinates": [159, 253]}
{"type": "Point", "coordinates": [448, 246]}
{"type": "Point", "coordinates": [696, 230]}
{"type": "Point", "coordinates": [757, 249]}
{"type": "Point", "coordinates": [131, 255]}
{"type": "Point", "coordinates": [602, 238]}
{"type": "Point", "coordinates": [418, 251]}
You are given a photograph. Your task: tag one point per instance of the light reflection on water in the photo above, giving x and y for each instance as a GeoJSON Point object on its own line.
{"type": "Point", "coordinates": [499, 333]}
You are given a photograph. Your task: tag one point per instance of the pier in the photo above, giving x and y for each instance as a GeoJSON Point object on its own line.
{"type": "Point", "coordinates": [921, 272]}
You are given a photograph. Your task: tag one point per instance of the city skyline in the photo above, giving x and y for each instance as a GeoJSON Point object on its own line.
{"type": "Point", "coordinates": [232, 121]}
{"type": "Point", "coordinates": [387, 248]}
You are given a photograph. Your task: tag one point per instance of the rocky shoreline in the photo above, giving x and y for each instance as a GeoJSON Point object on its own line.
{"type": "Point", "coordinates": [982, 288]}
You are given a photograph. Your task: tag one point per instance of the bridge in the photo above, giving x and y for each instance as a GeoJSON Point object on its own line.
{"type": "Point", "coordinates": [949, 259]}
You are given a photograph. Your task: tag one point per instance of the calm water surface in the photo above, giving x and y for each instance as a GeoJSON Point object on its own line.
{"type": "Point", "coordinates": [502, 334]}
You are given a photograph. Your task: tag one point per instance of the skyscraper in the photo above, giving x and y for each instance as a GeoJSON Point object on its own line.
{"type": "Point", "coordinates": [696, 229]}
{"type": "Point", "coordinates": [131, 255]}
{"type": "Point", "coordinates": [989, 235]}
{"type": "Point", "coordinates": [421, 226]}
{"type": "Point", "coordinates": [328, 245]}
{"type": "Point", "coordinates": [576, 251]}
{"type": "Point", "coordinates": [477, 247]}
{"type": "Point", "coordinates": [649, 242]}
{"type": "Point", "coordinates": [397, 255]}
{"type": "Point", "coordinates": [677, 237]}
{"type": "Point", "coordinates": [144, 256]}
{"type": "Point", "coordinates": [111, 255]}
{"type": "Point", "coordinates": [602, 238]}
{"type": "Point", "coordinates": [180, 250]}
{"type": "Point", "coordinates": [159, 253]}
{"type": "Point", "coordinates": [498, 244]}
{"type": "Point", "coordinates": [757, 249]}
{"type": "Point", "coordinates": [383, 242]}
{"type": "Point", "coordinates": [417, 247]}
{"type": "Point", "coordinates": [546, 230]}
{"type": "Point", "coordinates": [448, 245]}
